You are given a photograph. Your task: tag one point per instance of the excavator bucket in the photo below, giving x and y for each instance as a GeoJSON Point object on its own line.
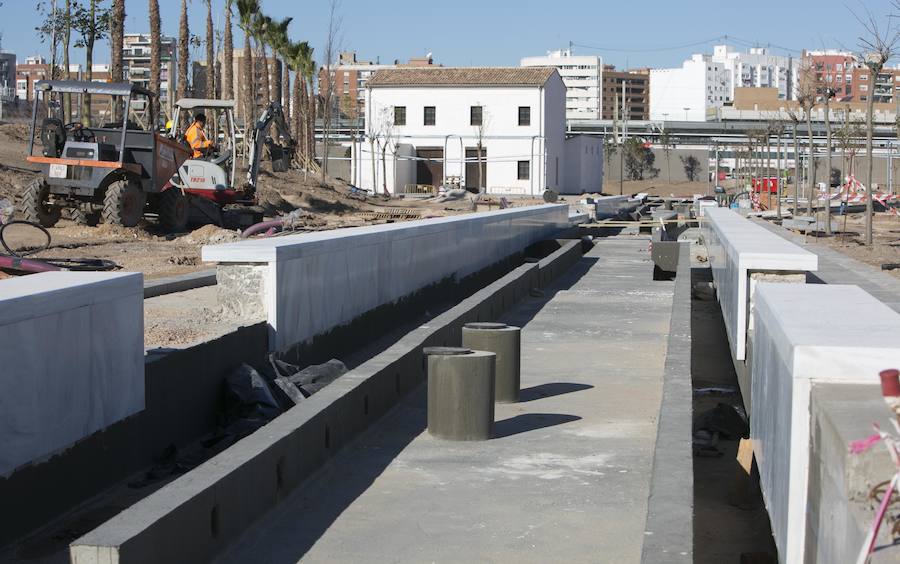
{"type": "Point", "coordinates": [169, 157]}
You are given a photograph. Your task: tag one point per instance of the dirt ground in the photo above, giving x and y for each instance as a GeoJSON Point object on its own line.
{"type": "Point", "coordinates": [885, 238]}
{"type": "Point", "coordinates": [658, 187]}
{"type": "Point", "coordinates": [145, 248]}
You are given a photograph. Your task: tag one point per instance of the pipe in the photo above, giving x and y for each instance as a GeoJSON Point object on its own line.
{"type": "Point", "coordinates": [262, 226]}
{"type": "Point", "coordinates": [27, 265]}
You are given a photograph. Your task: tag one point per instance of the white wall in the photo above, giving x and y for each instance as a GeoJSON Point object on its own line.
{"type": "Point", "coordinates": [583, 77]}
{"type": "Point", "coordinates": [71, 359]}
{"type": "Point", "coordinates": [505, 141]}
{"type": "Point", "coordinates": [584, 168]}
{"type": "Point", "coordinates": [317, 281]}
{"type": "Point", "coordinates": [699, 83]}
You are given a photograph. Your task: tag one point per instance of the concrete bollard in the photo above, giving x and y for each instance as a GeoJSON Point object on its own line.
{"type": "Point", "coordinates": [506, 342]}
{"type": "Point", "coordinates": [460, 393]}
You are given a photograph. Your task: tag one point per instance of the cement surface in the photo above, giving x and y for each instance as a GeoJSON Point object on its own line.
{"type": "Point", "coordinates": [567, 476]}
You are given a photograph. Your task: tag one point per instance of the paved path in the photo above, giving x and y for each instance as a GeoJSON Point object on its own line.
{"type": "Point", "coordinates": [838, 268]}
{"type": "Point", "coordinates": [566, 479]}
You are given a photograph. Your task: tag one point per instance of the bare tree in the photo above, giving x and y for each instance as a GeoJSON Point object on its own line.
{"type": "Point", "coordinates": [327, 96]}
{"type": "Point", "coordinates": [827, 95]}
{"type": "Point", "coordinates": [385, 138]}
{"type": "Point", "coordinates": [795, 122]}
{"type": "Point", "coordinates": [878, 45]}
{"type": "Point", "coordinates": [666, 141]}
{"type": "Point", "coordinates": [480, 129]}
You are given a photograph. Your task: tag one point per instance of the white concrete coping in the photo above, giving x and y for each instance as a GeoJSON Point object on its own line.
{"type": "Point", "coordinates": [736, 247]}
{"type": "Point", "coordinates": [795, 348]}
{"type": "Point", "coordinates": [72, 352]}
{"type": "Point", "coordinates": [270, 249]}
{"type": "Point", "coordinates": [26, 297]}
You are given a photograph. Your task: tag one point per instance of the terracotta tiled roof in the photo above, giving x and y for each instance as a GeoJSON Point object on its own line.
{"type": "Point", "coordinates": [462, 76]}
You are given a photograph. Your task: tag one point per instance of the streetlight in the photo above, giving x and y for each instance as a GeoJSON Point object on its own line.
{"type": "Point", "coordinates": [685, 113]}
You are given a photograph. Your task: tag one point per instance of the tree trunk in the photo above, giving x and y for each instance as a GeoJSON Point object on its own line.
{"type": "Point", "coordinates": [210, 53]}
{"type": "Point", "coordinates": [67, 41]}
{"type": "Point", "coordinates": [276, 80]}
{"type": "Point", "coordinates": [89, 64]}
{"type": "Point", "coordinates": [302, 122]}
{"type": "Point", "coordinates": [54, 43]}
{"type": "Point", "coordinates": [383, 167]}
{"type": "Point", "coordinates": [796, 171]}
{"type": "Point", "coordinates": [228, 57]}
{"type": "Point", "coordinates": [480, 166]}
{"type": "Point", "coordinates": [248, 92]}
{"type": "Point", "coordinates": [311, 122]}
{"type": "Point", "coordinates": [827, 167]}
{"type": "Point", "coordinates": [266, 85]}
{"type": "Point", "coordinates": [184, 37]}
{"type": "Point", "coordinates": [155, 58]}
{"type": "Point", "coordinates": [810, 170]}
{"type": "Point", "coordinates": [116, 41]}
{"type": "Point", "coordinates": [286, 91]}
{"type": "Point", "coordinates": [870, 105]}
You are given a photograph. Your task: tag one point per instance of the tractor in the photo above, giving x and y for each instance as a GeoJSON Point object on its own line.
{"type": "Point", "coordinates": [111, 172]}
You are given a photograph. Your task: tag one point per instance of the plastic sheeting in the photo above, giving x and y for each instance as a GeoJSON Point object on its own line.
{"type": "Point", "coordinates": [795, 348]}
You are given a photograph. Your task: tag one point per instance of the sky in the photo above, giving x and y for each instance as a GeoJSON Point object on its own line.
{"type": "Point", "coordinates": [654, 33]}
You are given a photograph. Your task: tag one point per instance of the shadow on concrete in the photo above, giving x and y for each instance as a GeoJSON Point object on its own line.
{"type": "Point", "coordinates": [528, 308]}
{"type": "Point", "coordinates": [530, 422]}
{"type": "Point", "coordinates": [314, 506]}
{"type": "Point", "coordinates": [549, 390]}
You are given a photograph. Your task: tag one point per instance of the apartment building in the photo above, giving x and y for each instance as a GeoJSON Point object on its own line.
{"type": "Point", "coordinates": [689, 92]}
{"type": "Point", "coordinates": [828, 68]}
{"type": "Point", "coordinates": [758, 69]}
{"type": "Point", "coordinates": [636, 104]}
{"type": "Point", "coordinates": [136, 60]}
{"type": "Point", "coordinates": [7, 76]}
{"type": "Point", "coordinates": [583, 77]}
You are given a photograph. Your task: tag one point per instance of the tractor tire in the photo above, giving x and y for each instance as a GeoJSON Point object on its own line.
{"type": "Point", "coordinates": [35, 207]}
{"type": "Point", "coordinates": [174, 211]}
{"type": "Point", "coordinates": [123, 203]}
{"type": "Point", "coordinates": [82, 217]}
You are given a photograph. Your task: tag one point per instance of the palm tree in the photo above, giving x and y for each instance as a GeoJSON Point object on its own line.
{"type": "Point", "coordinates": [67, 40]}
{"type": "Point", "coordinates": [310, 98]}
{"type": "Point", "coordinates": [297, 56]}
{"type": "Point", "coordinates": [228, 56]}
{"type": "Point", "coordinates": [210, 53]}
{"type": "Point", "coordinates": [116, 45]}
{"type": "Point", "coordinates": [258, 29]}
{"type": "Point", "coordinates": [247, 10]}
{"type": "Point", "coordinates": [184, 38]}
{"type": "Point", "coordinates": [277, 37]}
{"type": "Point", "coordinates": [155, 56]}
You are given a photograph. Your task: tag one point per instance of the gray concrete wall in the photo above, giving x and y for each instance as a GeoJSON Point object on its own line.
{"type": "Point", "coordinates": [670, 529]}
{"type": "Point", "coordinates": [183, 393]}
{"type": "Point", "coordinates": [196, 516]}
{"type": "Point", "coordinates": [611, 165]}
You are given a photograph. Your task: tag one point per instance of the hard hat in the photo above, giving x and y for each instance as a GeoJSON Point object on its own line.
{"type": "Point", "coordinates": [169, 124]}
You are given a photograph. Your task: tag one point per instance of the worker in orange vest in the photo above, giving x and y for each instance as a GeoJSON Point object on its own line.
{"type": "Point", "coordinates": [196, 137]}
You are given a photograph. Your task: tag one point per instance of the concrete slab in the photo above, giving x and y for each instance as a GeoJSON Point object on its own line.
{"type": "Point", "coordinates": [72, 357]}
{"type": "Point", "coordinates": [565, 480]}
{"type": "Point", "coordinates": [792, 352]}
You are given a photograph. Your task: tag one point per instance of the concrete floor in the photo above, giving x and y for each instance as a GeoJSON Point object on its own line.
{"type": "Point", "coordinates": [565, 480]}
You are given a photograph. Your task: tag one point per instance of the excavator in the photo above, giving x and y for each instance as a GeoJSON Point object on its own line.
{"type": "Point", "coordinates": [209, 184]}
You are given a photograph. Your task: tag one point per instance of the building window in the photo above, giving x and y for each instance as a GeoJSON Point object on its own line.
{"type": "Point", "coordinates": [430, 115]}
{"type": "Point", "coordinates": [524, 170]}
{"type": "Point", "coordinates": [474, 115]}
{"type": "Point", "coordinates": [524, 115]}
{"type": "Point", "coordinates": [864, 77]}
{"type": "Point", "coordinates": [399, 115]}
{"type": "Point", "coordinates": [863, 87]}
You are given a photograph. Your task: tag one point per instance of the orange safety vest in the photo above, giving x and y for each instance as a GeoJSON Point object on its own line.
{"type": "Point", "coordinates": [196, 138]}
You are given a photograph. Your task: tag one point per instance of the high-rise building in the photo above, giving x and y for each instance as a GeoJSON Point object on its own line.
{"type": "Point", "coordinates": [583, 77]}
{"type": "Point", "coordinates": [636, 104]}
{"type": "Point", "coordinates": [136, 60]}
{"type": "Point", "coordinates": [758, 69]}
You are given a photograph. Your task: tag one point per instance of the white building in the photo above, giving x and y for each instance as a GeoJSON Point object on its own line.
{"type": "Point", "coordinates": [422, 127]}
{"type": "Point", "coordinates": [583, 77]}
{"type": "Point", "coordinates": [704, 83]}
{"type": "Point", "coordinates": [685, 93]}
{"type": "Point", "coordinates": [758, 69]}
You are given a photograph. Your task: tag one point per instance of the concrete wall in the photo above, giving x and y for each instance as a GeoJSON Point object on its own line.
{"type": "Point", "coordinates": [737, 247]}
{"type": "Point", "coordinates": [195, 517]}
{"type": "Point", "coordinates": [584, 165]}
{"type": "Point", "coordinates": [71, 352]}
{"type": "Point", "coordinates": [183, 391]}
{"type": "Point", "coordinates": [793, 351]}
{"type": "Point", "coordinates": [318, 281]}
{"type": "Point", "coordinates": [675, 168]}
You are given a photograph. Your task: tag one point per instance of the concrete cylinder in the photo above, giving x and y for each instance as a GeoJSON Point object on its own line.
{"type": "Point", "coordinates": [460, 394]}
{"type": "Point", "coordinates": [506, 342]}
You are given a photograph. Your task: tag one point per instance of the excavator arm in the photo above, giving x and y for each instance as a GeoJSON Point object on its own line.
{"type": "Point", "coordinates": [281, 145]}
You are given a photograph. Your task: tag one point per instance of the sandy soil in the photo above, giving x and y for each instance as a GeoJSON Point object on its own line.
{"type": "Point", "coordinates": [657, 187]}
{"type": "Point", "coordinates": [145, 248]}
{"type": "Point", "coordinates": [885, 236]}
